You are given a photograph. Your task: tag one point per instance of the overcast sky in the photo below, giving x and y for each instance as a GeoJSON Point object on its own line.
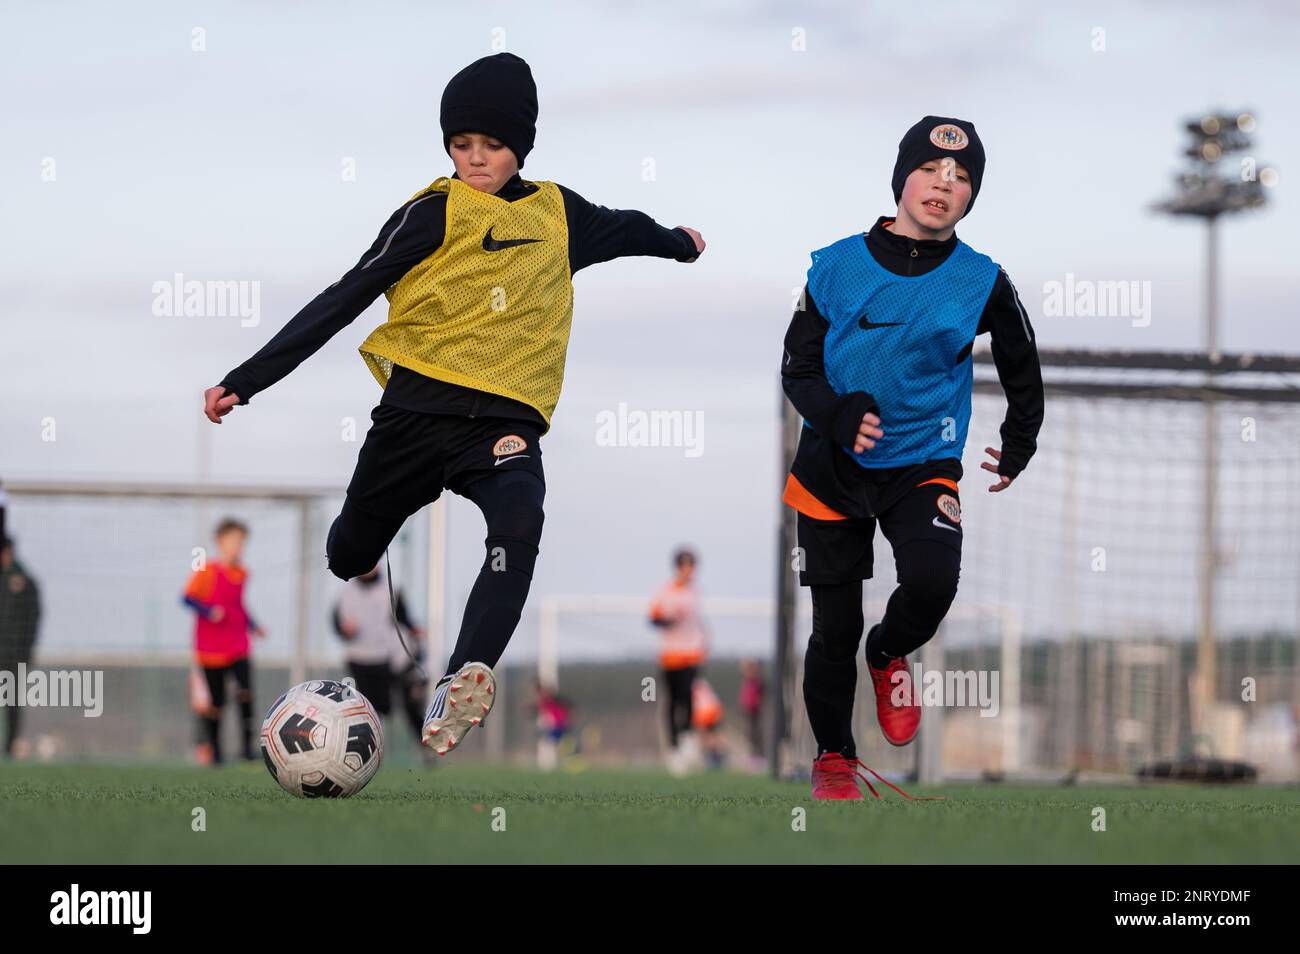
{"type": "Point", "coordinates": [130, 156]}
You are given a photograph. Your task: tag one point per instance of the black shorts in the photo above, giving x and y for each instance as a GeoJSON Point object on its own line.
{"type": "Point", "coordinates": [842, 551]}
{"type": "Point", "coordinates": [410, 457]}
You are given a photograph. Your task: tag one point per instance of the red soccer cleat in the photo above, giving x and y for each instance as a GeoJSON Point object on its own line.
{"type": "Point", "coordinates": [835, 778]}
{"type": "Point", "coordinates": [898, 723]}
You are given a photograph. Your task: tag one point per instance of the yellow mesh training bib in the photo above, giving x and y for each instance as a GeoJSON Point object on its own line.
{"type": "Point", "coordinates": [492, 307]}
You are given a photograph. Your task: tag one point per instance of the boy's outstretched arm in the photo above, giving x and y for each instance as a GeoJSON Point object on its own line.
{"type": "Point", "coordinates": [1015, 354]}
{"type": "Point", "coordinates": [598, 234]}
{"type": "Point", "coordinates": [849, 420]}
{"type": "Point", "coordinates": [409, 236]}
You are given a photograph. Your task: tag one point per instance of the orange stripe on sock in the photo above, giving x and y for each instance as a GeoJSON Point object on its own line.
{"type": "Point", "coordinates": [798, 496]}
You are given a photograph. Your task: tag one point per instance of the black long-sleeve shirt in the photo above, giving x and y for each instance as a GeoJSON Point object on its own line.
{"type": "Point", "coordinates": [413, 233]}
{"type": "Point", "coordinates": [837, 417]}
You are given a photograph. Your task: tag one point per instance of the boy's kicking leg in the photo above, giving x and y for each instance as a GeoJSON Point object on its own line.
{"type": "Point", "coordinates": [512, 506]}
{"type": "Point", "coordinates": [511, 502]}
{"type": "Point", "coordinates": [924, 528]}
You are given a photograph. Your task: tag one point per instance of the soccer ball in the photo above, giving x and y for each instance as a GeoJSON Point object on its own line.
{"type": "Point", "coordinates": [322, 739]}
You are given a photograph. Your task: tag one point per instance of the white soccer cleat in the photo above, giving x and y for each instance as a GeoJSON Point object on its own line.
{"type": "Point", "coordinates": [460, 702]}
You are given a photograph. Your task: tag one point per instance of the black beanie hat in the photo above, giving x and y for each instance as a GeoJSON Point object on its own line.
{"type": "Point", "coordinates": [496, 96]}
{"type": "Point", "coordinates": [936, 137]}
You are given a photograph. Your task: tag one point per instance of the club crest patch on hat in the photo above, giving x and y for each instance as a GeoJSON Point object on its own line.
{"type": "Point", "coordinates": [510, 444]}
{"type": "Point", "coordinates": [948, 136]}
{"type": "Point", "coordinates": [949, 507]}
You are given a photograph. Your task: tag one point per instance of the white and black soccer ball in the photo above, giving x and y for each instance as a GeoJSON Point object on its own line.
{"type": "Point", "coordinates": [322, 739]}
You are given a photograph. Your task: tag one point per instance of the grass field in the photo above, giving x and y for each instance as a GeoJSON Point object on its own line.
{"type": "Point", "coordinates": [105, 814]}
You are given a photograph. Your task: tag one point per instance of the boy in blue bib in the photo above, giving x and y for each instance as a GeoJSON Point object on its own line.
{"type": "Point", "coordinates": [878, 362]}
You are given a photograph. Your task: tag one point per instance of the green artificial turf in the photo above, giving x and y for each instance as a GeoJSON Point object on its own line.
{"type": "Point", "coordinates": [111, 813]}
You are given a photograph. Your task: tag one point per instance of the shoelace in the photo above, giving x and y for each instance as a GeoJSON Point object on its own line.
{"type": "Point", "coordinates": [850, 763]}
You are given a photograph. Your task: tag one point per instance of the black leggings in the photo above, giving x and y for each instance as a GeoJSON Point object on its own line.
{"type": "Point", "coordinates": [512, 507]}
{"type": "Point", "coordinates": [927, 584]}
{"type": "Point", "coordinates": [241, 670]}
{"type": "Point", "coordinates": [680, 709]}
{"type": "Point", "coordinates": [13, 724]}
{"type": "Point", "coordinates": [13, 714]}
{"type": "Point", "coordinates": [377, 682]}
{"type": "Point", "coordinates": [511, 503]}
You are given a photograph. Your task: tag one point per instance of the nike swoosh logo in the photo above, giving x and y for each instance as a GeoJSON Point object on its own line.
{"type": "Point", "coordinates": [946, 526]}
{"type": "Point", "coordinates": [866, 323]}
{"type": "Point", "coordinates": [495, 245]}
{"type": "Point", "coordinates": [502, 460]}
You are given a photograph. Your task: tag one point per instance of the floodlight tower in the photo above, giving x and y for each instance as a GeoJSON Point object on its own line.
{"type": "Point", "coordinates": [1209, 188]}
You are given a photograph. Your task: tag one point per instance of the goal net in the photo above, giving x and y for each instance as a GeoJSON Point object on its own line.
{"type": "Point", "coordinates": [1083, 586]}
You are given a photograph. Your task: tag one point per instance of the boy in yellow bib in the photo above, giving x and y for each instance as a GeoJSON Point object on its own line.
{"type": "Point", "coordinates": [477, 268]}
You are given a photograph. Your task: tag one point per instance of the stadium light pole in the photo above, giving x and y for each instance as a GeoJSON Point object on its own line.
{"type": "Point", "coordinates": [1206, 191]}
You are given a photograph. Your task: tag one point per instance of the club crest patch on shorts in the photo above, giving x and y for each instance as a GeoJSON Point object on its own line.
{"type": "Point", "coordinates": [948, 136]}
{"type": "Point", "coordinates": [949, 507]}
{"type": "Point", "coordinates": [510, 444]}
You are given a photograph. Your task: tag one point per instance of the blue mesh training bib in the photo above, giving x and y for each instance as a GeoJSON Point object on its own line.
{"type": "Point", "coordinates": [898, 338]}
